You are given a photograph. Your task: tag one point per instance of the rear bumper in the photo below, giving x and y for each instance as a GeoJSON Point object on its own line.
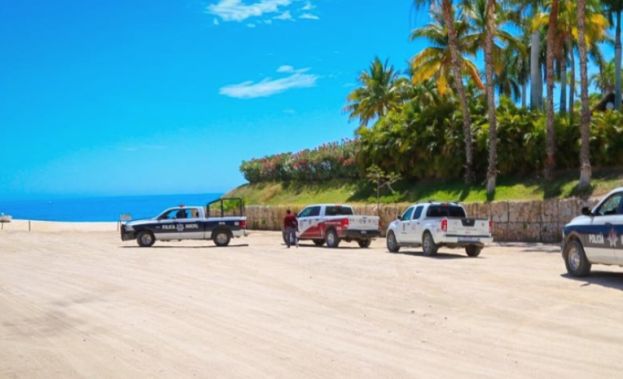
{"type": "Point", "coordinates": [239, 233]}
{"type": "Point", "coordinates": [460, 240]}
{"type": "Point", "coordinates": [354, 234]}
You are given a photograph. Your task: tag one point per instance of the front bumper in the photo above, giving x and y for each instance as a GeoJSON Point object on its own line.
{"type": "Point", "coordinates": [127, 235]}
{"type": "Point", "coordinates": [360, 234]}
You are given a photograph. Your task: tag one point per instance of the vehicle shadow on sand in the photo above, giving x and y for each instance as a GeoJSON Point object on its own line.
{"type": "Point", "coordinates": [341, 247]}
{"type": "Point", "coordinates": [601, 278]}
{"type": "Point", "coordinates": [184, 247]}
{"type": "Point", "coordinates": [440, 255]}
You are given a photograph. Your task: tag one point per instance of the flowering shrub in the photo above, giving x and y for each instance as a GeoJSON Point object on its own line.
{"type": "Point", "coordinates": [329, 161]}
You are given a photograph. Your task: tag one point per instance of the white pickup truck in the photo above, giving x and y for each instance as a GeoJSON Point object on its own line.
{"type": "Point", "coordinates": [332, 223]}
{"type": "Point", "coordinates": [433, 225]}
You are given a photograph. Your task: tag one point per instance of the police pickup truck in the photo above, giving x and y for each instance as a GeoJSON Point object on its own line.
{"type": "Point", "coordinates": [433, 225]}
{"type": "Point", "coordinates": [219, 221]}
{"type": "Point", "coordinates": [333, 223]}
{"type": "Point", "coordinates": [595, 237]}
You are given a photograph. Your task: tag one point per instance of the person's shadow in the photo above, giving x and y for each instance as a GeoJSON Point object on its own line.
{"type": "Point", "coordinates": [607, 279]}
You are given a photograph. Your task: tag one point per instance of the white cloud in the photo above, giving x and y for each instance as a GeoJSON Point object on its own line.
{"type": "Point", "coordinates": [268, 86]}
{"type": "Point", "coordinates": [308, 6]}
{"type": "Point", "coordinates": [285, 69]}
{"type": "Point", "coordinates": [309, 16]}
{"type": "Point", "coordinates": [251, 25]}
{"type": "Point", "coordinates": [284, 16]}
{"type": "Point", "coordinates": [216, 22]}
{"type": "Point", "coordinates": [236, 10]}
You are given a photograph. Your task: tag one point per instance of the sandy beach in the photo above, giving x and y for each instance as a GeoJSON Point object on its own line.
{"type": "Point", "coordinates": [77, 302]}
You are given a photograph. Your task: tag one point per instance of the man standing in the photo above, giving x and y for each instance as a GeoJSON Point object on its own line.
{"type": "Point", "coordinates": [290, 227]}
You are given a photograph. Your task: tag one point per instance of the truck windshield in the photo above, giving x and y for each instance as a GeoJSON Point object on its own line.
{"type": "Point", "coordinates": [338, 211]}
{"type": "Point", "coordinates": [445, 210]}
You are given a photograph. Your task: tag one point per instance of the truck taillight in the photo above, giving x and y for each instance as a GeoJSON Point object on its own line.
{"type": "Point", "coordinates": [344, 223]}
{"type": "Point", "coordinates": [444, 225]}
{"type": "Point", "coordinates": [490, 226]}
{"type": "Point", "coordinates": [243, 224]}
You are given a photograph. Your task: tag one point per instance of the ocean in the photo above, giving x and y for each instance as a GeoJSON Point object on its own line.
{"type": "Point", "coordinates": [98, 208]}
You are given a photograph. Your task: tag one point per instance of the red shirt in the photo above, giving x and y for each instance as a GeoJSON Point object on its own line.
{"type": "Point", "coordinates": [290, 221]}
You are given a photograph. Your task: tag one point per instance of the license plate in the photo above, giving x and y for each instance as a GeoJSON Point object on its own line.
{"type": "Point", "coordinates": [364, 232]}
{"type": "Point", "coordinates": [469, 239]}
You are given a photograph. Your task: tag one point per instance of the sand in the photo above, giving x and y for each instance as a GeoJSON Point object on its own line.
{"type": "Point", "coordinates": [83, 304]}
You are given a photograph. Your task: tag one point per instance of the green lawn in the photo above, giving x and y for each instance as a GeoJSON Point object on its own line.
{"type": "Point", "coordinates": [274, 193]}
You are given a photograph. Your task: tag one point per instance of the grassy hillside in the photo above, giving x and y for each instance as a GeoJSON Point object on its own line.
{"type": "Point", "coordinates": [358, 192]}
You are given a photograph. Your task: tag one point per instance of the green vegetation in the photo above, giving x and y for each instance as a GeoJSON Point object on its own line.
{"type": "Point", "coordinates": [341, 191]}
{"type": "Point", "coordinates": [442, 119]}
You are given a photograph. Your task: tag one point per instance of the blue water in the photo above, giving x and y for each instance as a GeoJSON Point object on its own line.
{"type": "Point", "coordinates": [99, 208]}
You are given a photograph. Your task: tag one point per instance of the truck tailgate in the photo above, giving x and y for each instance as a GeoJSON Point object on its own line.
{"type": "Point", "coordinates": [363, 222]}
{"type": "Point", "coordinates": [468, 227]}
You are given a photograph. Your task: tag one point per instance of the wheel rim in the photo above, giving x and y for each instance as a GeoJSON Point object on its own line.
{"type": "Point", "coordinates": [574, 258]}
{"type": "Point", "coordinates": [146, 239]}
{"type": "Point", "coordinates": [221, 238]}
{"type": "Point", "coordinates": [330, 238]}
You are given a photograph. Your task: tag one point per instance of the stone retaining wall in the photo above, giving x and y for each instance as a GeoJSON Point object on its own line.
{"type": "Point", "coordinates": [526, 221]}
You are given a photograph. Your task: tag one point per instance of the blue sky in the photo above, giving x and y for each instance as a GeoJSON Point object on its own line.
{"type": "Point", "coordinates": [169, 96]}
{"type": "Point", "coordinates": [156, 97]}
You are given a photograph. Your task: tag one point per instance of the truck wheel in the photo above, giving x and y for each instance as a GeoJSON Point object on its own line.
{"type": "Point", "coordinates": [473, 251]}
{"type": "Point", "coordinates": [318, 242]}
{"type": "Point", "coordinates": [221, 238]}
{"type": "Point", "coordinates": [428, 244]}
{"type": "Point", "coordinates": [392, 244]}
{"type": "Point", "coordinates": [145, 239]}
{"type": "Point", "coordinates": [364, 244]}
{"type": "Point", "coordinates": [575, 259]}
{"type": "Point", "coordinates": [332, 239]}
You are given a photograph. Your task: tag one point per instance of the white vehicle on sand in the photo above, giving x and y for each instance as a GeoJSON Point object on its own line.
{"type": "Point", "coordinates": [433, 225]}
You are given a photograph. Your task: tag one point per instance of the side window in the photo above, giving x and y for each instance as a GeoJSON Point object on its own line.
{"type": "Point", "coordinates": [407, 215]}
{"type": "Point", "coordinates": [314, 211]}
{"type": "Point", "coordinates": [305, 212]}
{"type": "Point", "coordinates": [611, 206]}
{"type": "Point", "coordinates": [418, 212]}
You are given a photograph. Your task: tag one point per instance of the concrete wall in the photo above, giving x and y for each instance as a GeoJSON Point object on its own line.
{"type": "Point", "coordinates": [527, 221]}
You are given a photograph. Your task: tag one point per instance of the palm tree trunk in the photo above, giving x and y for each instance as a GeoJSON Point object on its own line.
{"type": "Point", "coordinates": [550, 146]}
{"type": "Point", "coordinates": [617, 63]}
{"type": "Point", "coordinates": [572, 81]}
{"type": "Point", "coordinates": [448, 15]}
{"type": "Point", "coordinates": [493, 138]}
{"type": "Point", "coordinates": [585, 120]}
{"type": "Point", "coordinates": [562, 108]}
{"type": "Point", "coordinates": [536, 85]}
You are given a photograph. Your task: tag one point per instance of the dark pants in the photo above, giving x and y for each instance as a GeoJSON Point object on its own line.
{"type": "Point", "coordinates": [291, 236]}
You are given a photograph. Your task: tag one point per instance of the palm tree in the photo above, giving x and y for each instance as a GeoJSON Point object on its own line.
{"type": "Point", "coordinates": [447, 10]}
{"type": "Point", "coordinates": [585, 120]}
{"type": "Point", "coordinates": [378, 94]}
{"type": "Point", "coordinates": [550, 145]}
{"type": "Point", "coordinates": [435, 62]}
{"type": "Point", "coordinates": [513, 78]}
{"type": "Point", "coordinates": [615, 7]}
{"type": "Point", "coordinates": [493, 136]}
{"type": "Point", "coordinates": [605, 79]}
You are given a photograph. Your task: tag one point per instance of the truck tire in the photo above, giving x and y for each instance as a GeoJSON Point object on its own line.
{"type": "Point", "coordinates": [221, 237]}
{"type": "Point", "coordinates": [575, 259]}
{"type": "Point", "coordinates": [145, 239]}
{"type": "Point", "coordinates": [428, 245]}
{"type": "Point", "coordinates": [333, 240]}
{"type": "Point", "coordinates": [364, 244]}
{"type": "Point", "coordinates": [473, 251]}
{"type": "Point", "coordinates": [318, 242]}
{"type": "Point", "coordinates": [392, 243]}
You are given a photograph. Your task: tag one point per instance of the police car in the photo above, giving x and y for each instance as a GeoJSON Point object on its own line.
{"type": "Point", "coordinates": [219, 221]}
{"type": "Point", "coordinates": [595, 237]}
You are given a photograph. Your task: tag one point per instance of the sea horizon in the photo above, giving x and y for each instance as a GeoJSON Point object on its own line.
{"type": "Point", "coordinates": [98, 208]}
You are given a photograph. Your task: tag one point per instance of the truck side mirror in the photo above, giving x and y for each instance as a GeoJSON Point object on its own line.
{"type": "Point", "coordinates": [586, 211]}
{"type": "Point", "coordinates": [399, 218]}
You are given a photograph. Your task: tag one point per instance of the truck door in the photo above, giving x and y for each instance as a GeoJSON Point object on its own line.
{"type": "Point", "coordinates": [403, 226]}
{"type": "Point", "coordinates": [188, 224]}
{"type": "Point", "coordinates": [415, 226]}
{"type": "Point", "coordinates": [308, 220]}
{"type": "Point", "coordinates": [602, 237]}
